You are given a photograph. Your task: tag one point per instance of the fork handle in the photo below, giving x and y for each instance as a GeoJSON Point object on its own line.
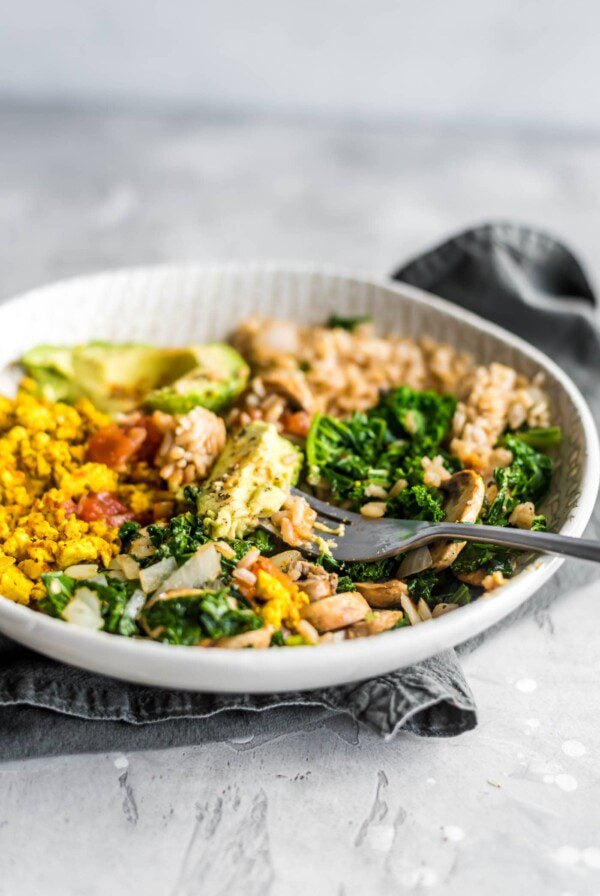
{"type": "Point", "coordinates": [540, 542]}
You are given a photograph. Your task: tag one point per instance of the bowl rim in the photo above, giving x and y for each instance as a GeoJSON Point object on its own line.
{"type": "Point", "coordinates": [20, 621]}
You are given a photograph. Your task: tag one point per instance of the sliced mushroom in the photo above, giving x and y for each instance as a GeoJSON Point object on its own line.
{"type": "Point", "coordinates": [423, 610]}
{"type": "Point", "coordinates": [317, 588]}
{"type": "Point", "coordinates": [465, 493]}
{"type": "Point", "coordinates": [383, 595]}
{"type": "Point", "coordinates": [472, 578]}
{"type": "Point", "coordinates": [292, 385]}
{"type": "Point", "coordinates": [442, 609]}
{"type": "Point", "coordinates": [337, 611]}
{"type": "Point", "coordinates": [259, 639]}
{"type": "Point", "coordinates": [375, 624]}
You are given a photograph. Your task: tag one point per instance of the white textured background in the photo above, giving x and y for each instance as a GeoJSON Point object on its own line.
{"type": "Point", "coordinates": [497, 60]}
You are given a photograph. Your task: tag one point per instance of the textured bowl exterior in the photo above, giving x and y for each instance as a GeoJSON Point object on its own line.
{"type": "Point", "coordinates": [178, 304]}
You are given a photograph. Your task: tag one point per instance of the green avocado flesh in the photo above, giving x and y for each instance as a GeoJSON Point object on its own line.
{"type": "Point", "coordinates": [219, 376]}
{"type": "Point", "coordinates": [119, 377]}
{"type": "Point", "coordinates": [249, 480]}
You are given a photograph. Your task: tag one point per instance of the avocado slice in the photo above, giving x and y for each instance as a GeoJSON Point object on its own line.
{"type": "Point", "coordinates": [118, 377]}
{"type": "Point", "coordinates": [220, 375]}
{"type": "Point", "coordinates": [51, 366]}
{"type": "Point", "coordinates": [250, 480]}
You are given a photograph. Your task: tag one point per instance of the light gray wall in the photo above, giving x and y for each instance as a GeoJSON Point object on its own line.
{"type": "Point", "coordinates": [527, 60]}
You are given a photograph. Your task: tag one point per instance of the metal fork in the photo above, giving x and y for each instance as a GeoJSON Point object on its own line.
{"type": "Point", "coordinates": [365, 539]}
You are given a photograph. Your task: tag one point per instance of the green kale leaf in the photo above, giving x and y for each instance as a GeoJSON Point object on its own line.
{"type": "Point", "coordinates": [543, 438]}
{"type": "Point", "coordinates": [180, 538]}
{"type": "Point", "coordinates": [489, 557]}
{"type": "Point", "coordinates": [422, 417]}
{"type": "Point", "coordinates": [417, 502]}
{"type": "Point", "coordinates": [210, 614]}
{"type": "Point", "coordinates": [526, 479]}
{"type": "Point", "coordinates": [128, 532]}
{"type": "Point", "coordinates": [380, 447]}
{"type": "Point", "coordinates": [114, 597]}
{"type": "Point", "coordinates": [59, 591]}
{"type": "Point", "coordinates": [347, 323]}
{"type": "Point", "coordinates": [438, 588]}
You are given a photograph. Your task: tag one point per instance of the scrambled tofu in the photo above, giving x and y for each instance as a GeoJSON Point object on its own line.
{"type": "Point", "coordinates": [43, 469]}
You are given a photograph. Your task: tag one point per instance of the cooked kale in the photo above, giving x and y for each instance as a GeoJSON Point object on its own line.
{"type": "Point", "coordinates": [345, 583]}
{"type": "Point", "coordinates": [114, 596]}
{"type": "Point", "coordinates": [541, 437]}
{"type": "Point", "coordinates": [374, 571]}
{"type": "Point", "coordinates": [180, 538]}
{"type": "Point", "coordinates": [184, 534]}
{"type": "Point", "coordinates": [489, 557]}
{"type": "Point", "coordinates": [438, 588]}
{"type": "Point", "coordinates": [424, 417]}
{"type": "Point", "coordinates": [382, 446]}
{"type": "Point", "coordinates": [59, 591]}
{"type": "Point", "coordinates": [347, 323]}
{"type": "Point", "coordinates": [128, 532]}
{"type": "Point", "coordinates": [529, 475]}
{"type": "Point", "coordinates": [190, 496]}
{"type": "Point", "coordinates": [402, 622]}
{"type": "Point", "coordinates": [258, 539]}
{"type": "Point", "coordinates": [348, 453]}
{"type": "Point", "coordinates": [189, 619]}
{"type": "Point", "coordinates": [526, 479]}
{"type": "Point", "coordinates": [461, 596]}
{"type": "Point", "coordinates": [417, 502]}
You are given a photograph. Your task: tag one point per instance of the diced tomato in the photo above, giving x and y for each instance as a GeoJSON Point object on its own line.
{"type": "Point", "coordinates": [102, 506]}
{"type": "Point", "coordinates": [116, 446]}
{"type": "Point", "coordinates": [152, 437]}
{"type": "Point", "coordinates": [113, 446]}
{"type": "Point", "coordinates": [297, 423]}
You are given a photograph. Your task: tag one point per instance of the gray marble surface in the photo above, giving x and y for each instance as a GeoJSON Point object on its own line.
{"type": "Point", "coordinates": [510, 807]}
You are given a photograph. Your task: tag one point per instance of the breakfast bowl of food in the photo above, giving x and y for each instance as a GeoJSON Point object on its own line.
{"type": "Point", "coordinates": [169, 434]}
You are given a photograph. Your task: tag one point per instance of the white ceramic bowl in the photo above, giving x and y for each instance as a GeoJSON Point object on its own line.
{"type": "Point", "coordinates": [175, 304]}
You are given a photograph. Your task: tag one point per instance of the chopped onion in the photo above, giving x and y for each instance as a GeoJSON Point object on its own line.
{"type": "Point", "coordinates": [153, 576]}
{"type": "Point", "coordinates": [81, 570]}
{"type": "Point", "coordinates": [84, 610]}
{"type": "Point", "coordinates": [202, 567]}
{"type": "Point", "coordinates": [414, 562]}
{"type": "Point", "coordinates": [423, 610]}
{"type": "Point", "coordinates": [442, 609]}
{"type": "Point", "coordinates": [409, 608]}
{"type": "Point", "coordinates": [128, 566]}
{"type": "Point", "coordinates": [135, 604]}
{"type": "Point", "coordinates": [142, 547]}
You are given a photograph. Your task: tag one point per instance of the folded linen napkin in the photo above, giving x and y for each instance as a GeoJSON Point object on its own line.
{"type": "Point", "coordinates": [520, 278]}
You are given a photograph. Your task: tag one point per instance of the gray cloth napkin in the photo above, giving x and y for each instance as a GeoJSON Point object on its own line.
{"type": "Point", "coordinates": [523, 280]}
